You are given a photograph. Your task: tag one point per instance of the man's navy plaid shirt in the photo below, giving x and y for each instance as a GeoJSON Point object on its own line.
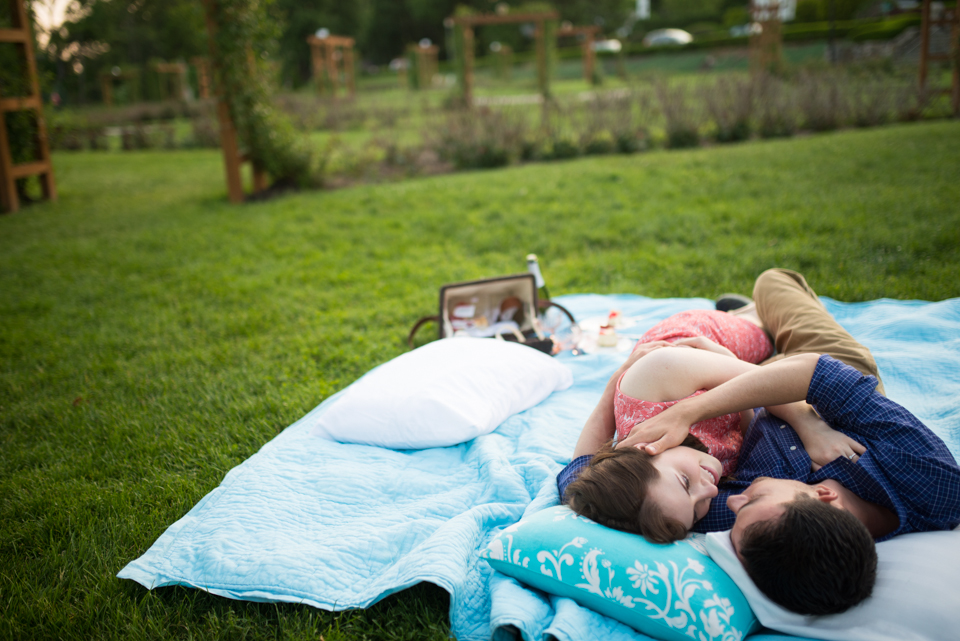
{"type": "Point", "coordinates": [906, 467]}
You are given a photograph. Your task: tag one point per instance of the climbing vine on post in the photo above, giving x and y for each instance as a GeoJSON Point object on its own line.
{"type": "Point", "coordinates": [239, 29]}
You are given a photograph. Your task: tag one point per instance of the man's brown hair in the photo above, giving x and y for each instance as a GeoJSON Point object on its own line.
{"type": "Point", "coordinates": [613, 490]}
{"type": "Point", "coordinates": [814, 559]}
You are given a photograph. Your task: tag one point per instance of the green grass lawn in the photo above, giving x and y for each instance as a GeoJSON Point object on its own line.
{"type": "Point", "coordinates": [153, 336]}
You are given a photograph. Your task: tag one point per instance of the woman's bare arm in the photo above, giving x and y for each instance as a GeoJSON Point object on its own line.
{"type": "Point", "coordinates": [780, 383]}
{"type": "Point", "coordinates": [601, 424]}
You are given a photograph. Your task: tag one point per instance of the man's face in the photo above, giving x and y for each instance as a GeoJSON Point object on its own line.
{"type": "Point", "coordinates": [762, 501]}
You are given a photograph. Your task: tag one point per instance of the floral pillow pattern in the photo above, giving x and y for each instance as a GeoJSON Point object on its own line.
{"type": "Point", "coordinates": [670, 592]}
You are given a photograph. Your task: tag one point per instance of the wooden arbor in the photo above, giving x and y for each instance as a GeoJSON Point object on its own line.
{"type": "Point", "coordinates": [766, 36]}
{"type": "Point", "coordinates": [948, 18]}
{"type": "Point", "coordinates": [464, 26]}
{"type": "Point", "coordinates": [232, 158]}
{"type": "Point", "coordinates": [329, 56]}
{"type": "Point", "coordinates": [109, 76]}
{"type": "Point", "coordinates": [425, 56]}
{"type": "Point", "coordinates": [21, 38]}
{"type": "Point", "coordinates": [588, 35]}
{"type": "Point", "coordinates": [171, 79]}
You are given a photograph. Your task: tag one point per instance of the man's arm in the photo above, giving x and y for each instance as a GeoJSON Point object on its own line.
{"type": "Point", "coordinates": [780, 383]}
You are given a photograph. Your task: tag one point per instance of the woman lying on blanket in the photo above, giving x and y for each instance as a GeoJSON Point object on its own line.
{"type": "Point", "coordinates": [661, 495]}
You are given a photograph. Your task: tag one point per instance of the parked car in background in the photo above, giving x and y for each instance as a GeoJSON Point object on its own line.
{"type": "Point", "coordinates": [660, 37]}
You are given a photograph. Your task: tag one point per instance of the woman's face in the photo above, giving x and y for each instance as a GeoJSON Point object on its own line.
{"type": "Point", "coordinates": [688, 481]}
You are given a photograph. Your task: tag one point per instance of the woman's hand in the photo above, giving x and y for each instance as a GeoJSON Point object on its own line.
{"type": "Point", "coordinates": [661, 432]}
{"type": "Point", "coordinates": [701, 342]}
{"type": "Point", "coordinates": [823, 443]}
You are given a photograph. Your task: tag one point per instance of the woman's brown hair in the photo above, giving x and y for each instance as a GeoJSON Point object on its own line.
{"type": "Point", "coordinates": [613, 490]}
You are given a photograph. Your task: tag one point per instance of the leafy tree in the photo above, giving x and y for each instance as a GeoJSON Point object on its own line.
{"type": "Point", "coordinates": [684, 11]}
{"type": "Point", "coordinates": [134, 31]}
{"type": "Point", "coordinates": [99, 34]}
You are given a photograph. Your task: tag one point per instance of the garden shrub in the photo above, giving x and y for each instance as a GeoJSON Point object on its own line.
{"type": "Point", "coordinates": [776, 116]}
{"type": "Point", "coordinates": [822, 101]}
{"type": "Point", "coordinates": [681, 116]}
{"type": "Point", "coordinates": [563, 149]}
{"type": "Point", "coordinates": [598, 145]}
{"type": "Point", "coordinates": [885, 29]}
{"type": "Point", "coordinates": [477, 139]}
{"type": "Point", "coordinates": [729, 101]}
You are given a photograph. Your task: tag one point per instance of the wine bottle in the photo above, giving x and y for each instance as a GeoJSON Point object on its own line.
{"type": "Point", "coordinates": [533, 266]}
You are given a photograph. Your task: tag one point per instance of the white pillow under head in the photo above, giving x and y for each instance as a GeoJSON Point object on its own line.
{"type": "Point", "coordinates": [916, 596]}
{"type": "Point", "coordinates": [446, 392]}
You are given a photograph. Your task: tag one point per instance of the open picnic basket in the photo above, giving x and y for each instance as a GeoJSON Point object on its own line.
{"type": "Point", "coordinates": [504, 308]}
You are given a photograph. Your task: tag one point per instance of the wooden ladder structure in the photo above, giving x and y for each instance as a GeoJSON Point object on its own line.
{"type": "Point", "coordinates": [20, 36]}
{"type": "Point", "coordinates": [949, 17]}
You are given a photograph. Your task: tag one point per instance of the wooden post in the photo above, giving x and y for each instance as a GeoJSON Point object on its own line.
{"type": "Point", "coordinates": [228, 132]}
{"type": "Point", "coordinates": [924, 42]}
{"type": "Point", "coordinates": [106, 88]}
{"type": "Point", "coordinates": [766, 47]}
{"type": "Point", "coordinates": [951, 18]}
{"type": "Point", "coordinates": [468, 46]}
{"type": "Point", "coordinates": [202, 65]}
{"type": "Point", "coordinates": [231, 151]}
{"type": "Point", "coordinates": [332, 72]}
{"type": "Point", "coordinates": [541, 47]}
{"type": "Point", "coordinates": [589, 57]}
{"type": "Point", "coordinates": [316, 62]}
{"type": "Point", "coordinates": [348, 70]}
{"type": "Point", "coordinates": [955, 59]}
{"type": "Point", "coordinates": [20, 36]}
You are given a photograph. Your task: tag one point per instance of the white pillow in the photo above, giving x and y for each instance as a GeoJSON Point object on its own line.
{"type": "Point", "coordinates": [446, 392]}
{"type": "Point", "coordinates": [916, 596]}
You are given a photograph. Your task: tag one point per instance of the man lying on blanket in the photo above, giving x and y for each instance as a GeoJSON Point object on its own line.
{"type": "Point", "coordinates": [805, 533]}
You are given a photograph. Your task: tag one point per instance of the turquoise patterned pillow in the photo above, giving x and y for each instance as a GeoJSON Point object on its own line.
{"type": "Point", "coordinates": [670, 592]}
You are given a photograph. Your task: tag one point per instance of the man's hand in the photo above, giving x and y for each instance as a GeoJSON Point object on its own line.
{"type": "Point", "coordinates": [663, 431]}
{"type": "Point", "coordinates": [704, 343]}
{"type": "Point", "coordinates": [823, 443]}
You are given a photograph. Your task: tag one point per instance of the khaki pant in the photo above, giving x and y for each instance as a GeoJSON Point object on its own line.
{"type": "Point", "coordinates": [798, 322]}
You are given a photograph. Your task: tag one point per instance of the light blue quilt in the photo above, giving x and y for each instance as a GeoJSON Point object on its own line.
{"type": "Point", "coordinates": [338, 526]}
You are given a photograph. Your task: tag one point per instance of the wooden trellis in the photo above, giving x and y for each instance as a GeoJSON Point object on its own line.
{"type": "Point", "coordinates": [948, 18]}
{"type": "Point", "coordinates": [20, 36]}
{"type": "Point", "coordinates": [426, 61]}
{"type": "Point", "coordinates": [172, 78]}
{"type": "Point", "coordinates": [232, 158]}
{"type": "Point", "coordinates": [130, 76]}
{"type": "Point", "coordinates": [329, 57]}
{"type": "Point", "coordinates": [465, 26]}
{"type": "Point", "coordinates": [589, 35]}
{"type": "Point", "coordinates": [202, 65]}
{"type": "Point", "coordinates": [766, 39]}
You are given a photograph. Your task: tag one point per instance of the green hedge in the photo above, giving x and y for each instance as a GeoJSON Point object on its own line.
{"type": "Point", "coordinates": [885, 29]}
